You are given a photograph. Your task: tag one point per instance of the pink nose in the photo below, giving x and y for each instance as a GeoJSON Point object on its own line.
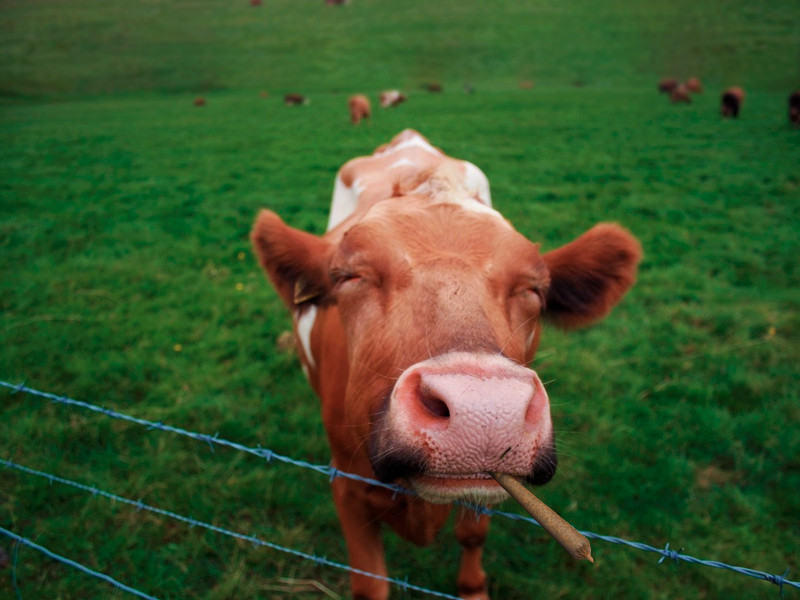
{"type": "Point", "coordinates": [472, 413]}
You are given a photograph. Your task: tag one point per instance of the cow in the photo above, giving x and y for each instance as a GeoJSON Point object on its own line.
{"type": "Point", "coordinates": [359, 108]}
{"type": "Point", "coordinates": [680, 95]}
{"type": "Point", "coordinates": [794, 108]}
{"type": "Point", "coordinates": [295, 100]}
{"type": "Point", "coordinates": [667, 84]}
{"type": "Point", "coordinates": [416, 317]}
{"type": "Point", "coordinates": [391, 98]}
{"type": "Point", "coordinates": [731, 102]}
{"type": "Point", "coordinates": [694, 85]}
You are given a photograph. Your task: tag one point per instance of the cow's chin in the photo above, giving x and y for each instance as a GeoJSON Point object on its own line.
{"type": "Point", "coordinates": [442, 489]}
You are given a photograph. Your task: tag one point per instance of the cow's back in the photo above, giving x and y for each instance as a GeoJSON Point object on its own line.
{"type": "Point", "coordinates": [408, 165]}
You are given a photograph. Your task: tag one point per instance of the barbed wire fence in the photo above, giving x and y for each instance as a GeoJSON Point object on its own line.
{"type": "Point", "coordinates": [326, 470]}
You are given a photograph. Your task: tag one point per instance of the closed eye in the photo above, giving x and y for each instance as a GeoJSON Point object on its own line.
{"type": "Point", "coordinates": [340, 276]}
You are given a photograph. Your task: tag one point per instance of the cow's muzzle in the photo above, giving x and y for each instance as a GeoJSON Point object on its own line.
{"type": "Point", "coordinates": [452, 419]}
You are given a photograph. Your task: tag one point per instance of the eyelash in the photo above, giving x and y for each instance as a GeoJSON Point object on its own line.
{"type": "Point", "coordinates": [339, 276]}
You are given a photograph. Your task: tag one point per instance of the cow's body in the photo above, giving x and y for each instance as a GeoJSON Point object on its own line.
{"type": "Point", "coordinates": [731, 102]}
{"type": "Point", "coordinates": [680, 94]}
{"type": "Point", "coordinates": [668, 84]}
{"type": "Point", "coordinates": [391, 98]}
{"type": "Point", "coordinates": [359, 108]}
{"type": "Point", "coordinates": [694, 85]}
{"type": "Point", "coordinates": [794, 108]}
{"type": "Point", "coordinates": [415, 315]}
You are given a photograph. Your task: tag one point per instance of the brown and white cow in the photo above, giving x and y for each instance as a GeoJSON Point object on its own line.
{"type": "Point", "coordinates": [416, 315]}
{"type": "Point", "coordinates": [694, 85]}
{"type": "Point", "coordinates": [389, 98]}
{"type": "Point", "coordinates": [680, 95]}
{"type": "Point", "coordinates": [359, 107]}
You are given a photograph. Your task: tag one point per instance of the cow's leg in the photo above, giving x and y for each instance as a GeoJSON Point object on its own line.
{"type": "Point", "coordinates": [471, 534]}
{"type": "Point", "coordinates": [362, 534]}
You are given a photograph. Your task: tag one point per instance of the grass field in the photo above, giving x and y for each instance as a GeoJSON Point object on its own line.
{"type": "Point", "coordinates": [127, 280]}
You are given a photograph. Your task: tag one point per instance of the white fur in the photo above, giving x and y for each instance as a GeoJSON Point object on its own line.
{"type": "Point", "coordinates": [304, 323]}
{"type": "Point", "coordinates": [416, 141]}
{"type": "Point", "coordinates": [345, 200]}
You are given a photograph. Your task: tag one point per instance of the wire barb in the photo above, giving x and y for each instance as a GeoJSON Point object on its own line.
{"type": "Point", "coordinates": [333, 473]}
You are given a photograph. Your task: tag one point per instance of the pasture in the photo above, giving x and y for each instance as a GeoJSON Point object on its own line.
{"type": "Point", "coordinates": [128, 281]}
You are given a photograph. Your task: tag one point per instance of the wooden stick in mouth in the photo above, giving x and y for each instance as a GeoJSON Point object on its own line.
{"type": "Point", "coordinates": [564, 533]}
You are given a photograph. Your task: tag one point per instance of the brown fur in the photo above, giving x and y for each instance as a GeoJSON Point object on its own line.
{"type": "Point", "coordinates": [680, 95]}
{"type": "Point", "coordinates": [794, 108]}
{"type": "Point", "coordinates": [667, 84]}
{"type": "Point", "coordinates": [294, 100]}
{"type": "Point", "coordinates": [694, 86]}
{"type": "Point", "coordinates": [411, 278]}
{"type": "Point", "coordinates": [731, 102]}
{"type": "Point", "coordinates": [359, 108]}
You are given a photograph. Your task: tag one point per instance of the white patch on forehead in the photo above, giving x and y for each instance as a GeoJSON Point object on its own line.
{"type": "Point", "coordinates": [345, 200]}
{"type": "Point", "coordinates": [304, 323]}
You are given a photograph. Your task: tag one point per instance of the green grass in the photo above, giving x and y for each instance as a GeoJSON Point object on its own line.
{"type": "Point", "coordinates": [127, 280]}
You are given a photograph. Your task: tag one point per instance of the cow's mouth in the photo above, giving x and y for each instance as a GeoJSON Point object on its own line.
{"type": "Point", "coordinates": [478, 488]}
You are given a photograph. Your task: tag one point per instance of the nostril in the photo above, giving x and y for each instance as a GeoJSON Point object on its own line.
{"type": "Point", "coordinates": [435, 406]}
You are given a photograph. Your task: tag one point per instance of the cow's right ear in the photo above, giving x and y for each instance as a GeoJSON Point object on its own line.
{"type": "Point", "coordinates": [296, 262]}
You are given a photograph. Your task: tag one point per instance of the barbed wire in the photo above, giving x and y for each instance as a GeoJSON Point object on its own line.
{"type": "Point", "coordinates": [26, 542]}
{"type": "Point", "coordinates": [256, 541]}
{"type": "Point", "coordinates": [332, 473]}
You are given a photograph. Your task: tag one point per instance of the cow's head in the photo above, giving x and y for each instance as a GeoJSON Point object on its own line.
{"type": "Point", "coordinates": [440, 308]}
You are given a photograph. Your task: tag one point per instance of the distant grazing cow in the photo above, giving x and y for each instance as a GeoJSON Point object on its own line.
{"type": "Point", "coordinates": [199, 101]}
{"type": "Point", "coordinates": [680, 94]}
{"type": "Point", "coordinates": [794, 108]}
{"type": "Point", "coordinates": [359, 108]}
{"type": "Point", "coordinates": [294, 100]}
{"type": "Point", "coordinates": [415, 316]}
{"type": "Point", "coordinates": [694, 86]}
{"type": "Point", "coordinates": [667, 84]}
{"type": "Point", "coordinates": [433, 87]}
{"type": "Point", "coordinates": [391, 98]}
{"type": "Point", "coordinates": [732, 100]}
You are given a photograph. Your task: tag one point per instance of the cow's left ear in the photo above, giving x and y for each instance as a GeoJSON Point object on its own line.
{"type": "Point", "coordinates": [295, 261]}
{"type": "Point", "coordinates": [590, 275]}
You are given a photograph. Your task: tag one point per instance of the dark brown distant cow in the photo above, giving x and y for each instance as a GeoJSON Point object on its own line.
{"type": "Point", "coordinates": [199, 101]}
{"type": "Point", "coordinates": [732, 100]}
{"type": "Point", "coordinates": [391, 98]}
{"type": "Point", "coordinates": [680, 94]}
{"type": "Point", "coordinates": [694, 86]}
{"type": "Point", "coordinates": [359, 108]}
{"type": "Point", "coordinates": [416, 316]}
{"type": "Point", "coordinates": [294, 100]}
{"type": "Point", "coordinates": [667, 85]}
{"type": "Point", "coordinates": [794, 108]}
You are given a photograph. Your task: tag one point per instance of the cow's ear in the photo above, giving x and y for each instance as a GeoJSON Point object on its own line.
{"type": "Point", "coordinates": [590, 275]}
{"type": "Point", "coordinates": [295, 261]}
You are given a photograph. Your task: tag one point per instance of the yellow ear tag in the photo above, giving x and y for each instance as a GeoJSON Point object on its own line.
{"type": "Point", "coordinates": [303, 292]}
